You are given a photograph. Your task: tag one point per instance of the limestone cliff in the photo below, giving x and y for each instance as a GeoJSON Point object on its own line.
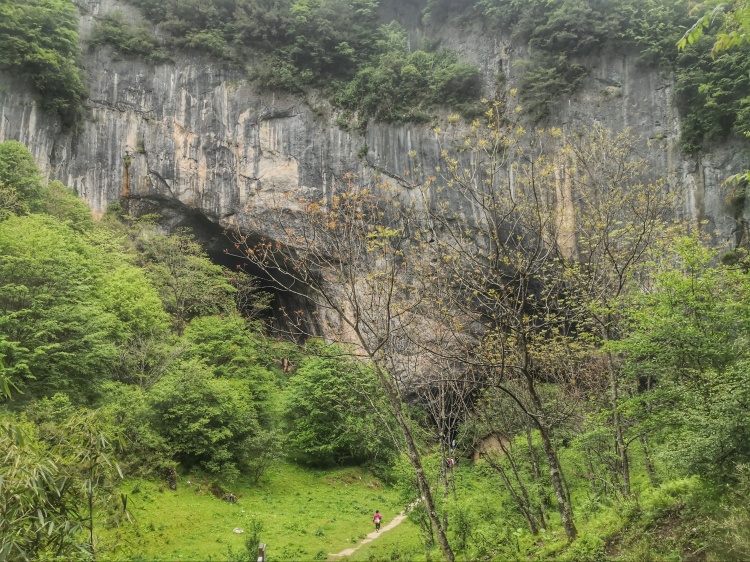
{"type": "Point", "coordinates": [194, 136]}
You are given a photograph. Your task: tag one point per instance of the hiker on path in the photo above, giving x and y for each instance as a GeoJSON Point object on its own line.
{"type": "Point", "coordinates": [376, 519]}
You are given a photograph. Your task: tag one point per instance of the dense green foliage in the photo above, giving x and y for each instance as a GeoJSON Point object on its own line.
{"type": "Point", "coordinates": [734, 32]}
{"type": "Point", "coordinates": [52, 311]}
{"type": "Point", "coordinates": [40, 41]}
{"type": "Point", "coordinates": [336, 414]}
{"type": "Point", "coordinates": [127, 38]}
{"type": "Point", "coordinates": [20, 181]}
{"type": "Point", "coordinates": [688, 339]}
{"type": "Point", "coordinates": [188, 283]}
{"type": "Point", "coordinates": [369, 70]}
{"type": "Point", "coordinates": [204, 420]}
{"type": "Point", "coordinates": [734, 24]}
{"type": "Point", "coordinates": [711, 92]}
{"type": "Point", "coordinates": [116, 339]}
{"type": "Point", "coordinates": [561, 32]}
{"type": "Point", "coordinates": [338, 46]}
{"type": "Point", "coordinates": [400, 85]}
{"type": "Point", "coordinates": [62, 203]}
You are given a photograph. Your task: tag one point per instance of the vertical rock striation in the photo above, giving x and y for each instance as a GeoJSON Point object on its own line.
{"type": "Point", "coordinates": [194, 135]}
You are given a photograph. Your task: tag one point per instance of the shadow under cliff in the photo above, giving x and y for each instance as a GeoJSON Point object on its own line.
{"type": "Point", "coordinates": [219, 246]}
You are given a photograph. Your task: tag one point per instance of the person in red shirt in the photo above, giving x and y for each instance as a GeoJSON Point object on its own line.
{"type": "Point", "coordinates": [376, 519]}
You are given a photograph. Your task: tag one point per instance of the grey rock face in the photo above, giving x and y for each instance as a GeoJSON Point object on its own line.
{"type": "Point", "coordinates": [195, 135]}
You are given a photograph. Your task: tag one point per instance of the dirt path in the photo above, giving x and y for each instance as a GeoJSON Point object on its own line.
{"type": "Point", "coordinates": [372, 536]}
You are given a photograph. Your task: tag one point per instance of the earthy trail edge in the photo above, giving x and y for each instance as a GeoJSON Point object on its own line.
{"type": "Point", "coordinates": [372, 536]}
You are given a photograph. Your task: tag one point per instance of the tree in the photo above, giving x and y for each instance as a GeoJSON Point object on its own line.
{"type": "Point", "coordinates": [251, 300]}
{"type": "Point", "coordinates": [334, 412]}
{"type": "Point", "coordinates": [127, 38]}
{"type": "Point", "coordinates": [38, 502]}
{"type": "Point", "coordinates": [734, 24]}
{"type": "Point", "coordinates": [62, 203]}
{"type": "Point", "coordinates": [230, 344]}
{"type": "Point", "coordinates": [88, 448]}
{"type": "Point", "coordinates": [143, 345]}
{"type": "Point", "coordinates": [349, 254]}
{"type": "Point", "coordinates": [401, 85]}
{"type": "Point", "coordinates": [498, 270]}
{"type": "Point", "coordinates": [49, 308]}
{"type": "Point", "coordinates": [204, 421]}
{"type": "Point", "coordinates": [545, 235]}
{"type": "Point", "coordinates": [188, 283]}
{"type": "Point", "coordinates": [444, 391]}
{"type": "Point", "coordinates": [616, 216]}
{"type": "Point", "coordinates": [497, 418]}
{"type": "Point", "coordinates": [234, 350]}
{"type": "Point", "coordinates": [55, 473]}
{"type": "Point", "coordinates": [20, 177]}
{"type": "Point", "coordinates": [734, 31]}
{"type": "Point", "coordinates": [10, 203]}
{"type": "Point", "coordinates": [687, 337]}
{"type": "Point", "coordinates": [74, 309]}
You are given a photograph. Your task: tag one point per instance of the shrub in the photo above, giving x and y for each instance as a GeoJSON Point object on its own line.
{"type": "Point", "coordinates": [126, 38]}
{"type": "Point", "coordinates": [399, 85]}
{"type": "Point", "coordinates": [205, 421]}
{"type": "Point", "coordinates": [18, 171]}
{"type": "Point", "coordinates": [330, 415]}
{"type": "Point", "coordinates": [586, 548]}
{"type": "Point", "coordinates": [668, 498]}
{"type": "Point", "coordinates": [711, 93]}
{"type": "Point", "coordinates": [62, 203]}
{"type": "Point", "coordinates": [336, 45]}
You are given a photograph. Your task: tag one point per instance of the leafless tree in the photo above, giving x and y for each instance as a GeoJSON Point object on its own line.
{"type": "Point", "coordinates": [498, 241]}
{"type": "Point", "coordinates": [539, 239]}
{"type": "Point", "coordinates": [352, 255]}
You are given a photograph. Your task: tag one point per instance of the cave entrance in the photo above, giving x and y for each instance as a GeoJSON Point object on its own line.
{"type": "Point", "coordinates": [218, 246]}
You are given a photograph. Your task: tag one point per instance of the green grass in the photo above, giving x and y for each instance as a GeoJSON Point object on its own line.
{"type": "Point", "coordinates": [306, 515]}
{"type": "Point", "coordinates": [311, 514]}
{"type": "Point", "coordinates": [400, 543]}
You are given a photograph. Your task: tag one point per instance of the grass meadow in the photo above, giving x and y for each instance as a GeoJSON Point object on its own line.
{"type": "Point", "coordinates": [305, 515]}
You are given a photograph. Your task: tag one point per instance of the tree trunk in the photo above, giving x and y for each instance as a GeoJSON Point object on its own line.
{"type": "Point", "coordinates": [522, 498]}
{"type": "Point", "coordinates": [555, 472]}
{"type": "Point", "coordinates": [649, 463]}
{"type": "Point", "coordinates": [90, 493]}
{"type": "Point", "coordinates": [591, 471]}
{"type": "Point", "coordinates": [622, 448]}
{"type": "Point", "coordinates": [537, 477]}
{"type": "Point", "coordinates": [424, 490]}
{"type": "Point", "coordinates": [619, 439]}
{"type": "Point", "coordinates": [416, 462]}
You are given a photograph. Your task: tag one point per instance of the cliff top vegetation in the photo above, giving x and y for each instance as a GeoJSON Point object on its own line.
{"type": "Point", "coordinates": [39, 40]}
{"type": "Point", "coordinates": [372, 72]}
